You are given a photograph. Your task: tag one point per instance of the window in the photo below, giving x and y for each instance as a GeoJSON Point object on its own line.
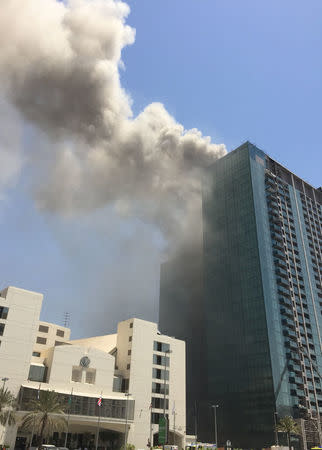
{"type": "Point", "coordinates": [60, 333]}
{"type": "Point", "coordinates": [90, 376]}
{"type": "Point", "coordinates": [130, 338]}
{"type": "Point", "coordinates": [41, 340]}
{"type": "Point", "coordinates": [159, 402]}
{"type": "Point", "coordinates": [125, 384]}
{"type": "Point", "coordinates": [76, 374]}
{"type": "Point", "coordinates": [43, 329]}
{"type": "Point", "coordinates": [128, 366]}
{"type": "Point", "coordinates": [160, 374]}
{"type": "Point", "coordinates": [131, 325]}
{"type": "Point", "coordinates": [1, 329]}
{"type": "Point", "coordinates": [161, 360]}
{"type": "Point", "coordinates": [3, 312]}
{"type": "Point", "coordinates": [37, 354]}
{"type": "Point", "coordinates": [37, 373]}
{"type": "Point", "coordinates": [129, 352]}
{"type": "Point", "coordinates": [161, 346]}
{"type": "Point", "coordinates": [158, 388]}
{"type": "Point", "coordinates": [86, 406]}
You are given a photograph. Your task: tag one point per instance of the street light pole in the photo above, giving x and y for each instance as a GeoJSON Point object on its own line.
{"type": "Point", "coordinates": [215, 411]}
{"type": "Point", "coordinates": [4, 379]}
{"type": "Point", "coordinates": [275, 429]}
{"type": "Point", "coordinates": [127, 394]}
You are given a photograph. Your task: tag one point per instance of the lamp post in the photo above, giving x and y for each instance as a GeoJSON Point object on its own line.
{"type": "Point", "coordinates": [275, 429]}
{"type": "Point", "coordinates": [215, 415]}
{"type": "Point", "coordinates": [127, 395]}
{"type": "Point", "coordinates": [4, 379]}
{"type": "Point", "coordinates": [166, 352]}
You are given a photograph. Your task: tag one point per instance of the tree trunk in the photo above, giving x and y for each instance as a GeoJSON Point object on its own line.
{"type": "Point", "coordinates": [44, 421]}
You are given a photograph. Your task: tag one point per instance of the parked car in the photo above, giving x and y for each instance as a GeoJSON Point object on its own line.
{"type": "Point", "coordinates": [48, 447]}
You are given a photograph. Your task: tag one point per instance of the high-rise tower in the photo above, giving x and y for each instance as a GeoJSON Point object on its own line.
{"type": "Point", "coordinates": [261, 298]}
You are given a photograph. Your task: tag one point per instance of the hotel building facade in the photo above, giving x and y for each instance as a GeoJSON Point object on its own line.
{"type": "Point", "coordinates": [134, 371]}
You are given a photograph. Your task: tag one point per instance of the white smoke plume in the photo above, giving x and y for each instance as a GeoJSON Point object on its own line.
{"type": "Point", "coordinates": [59, 67]}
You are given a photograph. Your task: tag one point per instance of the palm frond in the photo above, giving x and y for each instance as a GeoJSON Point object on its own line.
{"type": "Point", "coordinates": [46, 415]}
{"type": "Point", "coordinates": [7, 417]}
{"type": "Point", "coordinates": [7, 405]}
{"type": "Point", "coordinates": [287, 425]}
{"type": "Point", "coordinates": [7, 399]}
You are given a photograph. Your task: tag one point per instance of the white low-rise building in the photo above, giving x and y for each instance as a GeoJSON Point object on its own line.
{"type": "Point", "coordinates": [138, 373]}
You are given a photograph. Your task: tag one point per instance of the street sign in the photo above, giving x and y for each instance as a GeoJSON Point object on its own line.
{"type": "Point", "coordinates": [162, 430]}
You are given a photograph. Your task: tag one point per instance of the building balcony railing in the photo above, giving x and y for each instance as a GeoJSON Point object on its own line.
{"type": "Point", "coordinates": [295, 368]}
{"type": "Point", "coordinates": [286, 312]}
{"type": "Point", "coordinates": [290, 333]}
{"type": "Point", "coordinates": [285, 301]}
{"type": "Point", "coordinates": [279, 254]}
{"type": "Point", "coordinates": [288, 322]}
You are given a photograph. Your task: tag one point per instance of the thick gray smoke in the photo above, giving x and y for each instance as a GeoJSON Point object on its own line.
{"type": "Point", "coordinates": [59, 66]}
{"type": "Point", "coordinates": [10, 141]}
{"type": "Point", "coordinates": [59, 72]}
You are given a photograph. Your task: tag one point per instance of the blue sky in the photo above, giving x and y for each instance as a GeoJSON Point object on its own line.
{"type": "Point", "coordinates": [237, 70]}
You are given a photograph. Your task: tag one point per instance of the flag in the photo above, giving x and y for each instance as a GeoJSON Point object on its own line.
{"type": "Point", "coordinates": [99, 401]}
{"type": "Point", "coordinates": [174, 408]}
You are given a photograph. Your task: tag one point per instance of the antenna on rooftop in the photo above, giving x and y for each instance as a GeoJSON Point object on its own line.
{"type": "Point", "coordinates": [66, 319]}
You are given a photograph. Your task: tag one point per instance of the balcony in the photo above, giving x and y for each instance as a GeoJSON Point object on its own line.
{"type": "Point", "coordinates": [283, 290]}
{"type": "Point", "coordinates": [285, 301]}
{"type": "Point", "coordinates": [286, 313]}
{"type": "Point", "coordinates": [288, 322]}
{"type": "Point", "coordinates": [279, 254]}
{"type": "Point", "coordinates": [277, 236]}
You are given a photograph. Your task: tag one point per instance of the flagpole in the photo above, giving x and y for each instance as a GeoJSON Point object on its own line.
{"type": "Point", "coordinates": [174, 422]}
{"type": "Point", "coordinates": [98, 422]}
{"type": "Point", "coordinates": [69, 408]}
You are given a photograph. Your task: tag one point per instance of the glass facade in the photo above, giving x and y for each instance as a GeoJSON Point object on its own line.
{"type": "Point", "coordinates": [81, 405]}
{"type": "Point", "coordinates": [239, 375]}
{"type": "Point", "coordinates": [260, 301]}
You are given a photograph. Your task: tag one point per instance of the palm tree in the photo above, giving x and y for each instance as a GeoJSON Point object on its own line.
{"type": "Point", "coordinates": [46, 415]}
{"type": "Point", "coordinates": [7, 404]}
{"type": "Point", "coordinates": [289, 426]}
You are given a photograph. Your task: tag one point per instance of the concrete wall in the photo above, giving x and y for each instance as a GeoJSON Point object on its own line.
{"type": "Point", "coordinates": [17, 342]}
{"type": "Point", "coordinates": [105, 343]}
{"type": "Point", "coordinates": [140, 363]}
{"type": "Point", "coordinates": [60, 361]}
{"type": "Point", "coordinates": [50, 336]}
{"type": "Point", "coordinates": [19, 334]}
